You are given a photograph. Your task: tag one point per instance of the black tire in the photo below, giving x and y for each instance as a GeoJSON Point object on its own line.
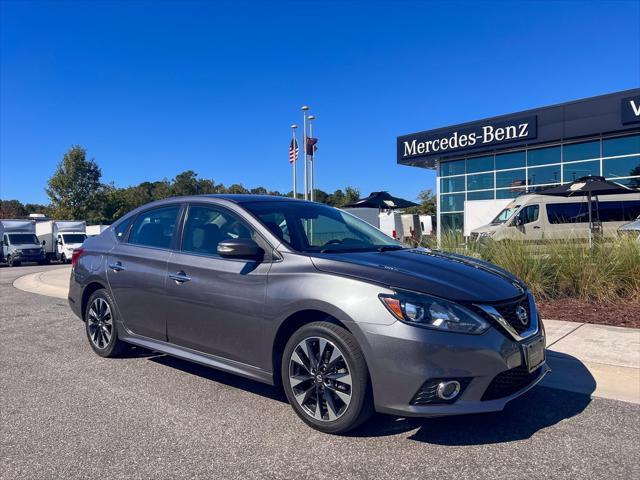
{"type": "Point", "coordinates": [12, 262]}
{"type": "Point", "coordinates": [97, 339]}
{"type": "Point", "coordinates": [63, 258]}
{"type": "Point", "coordinates": [360, 406]}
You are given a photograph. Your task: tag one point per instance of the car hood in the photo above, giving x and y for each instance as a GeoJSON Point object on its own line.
{"type": "Point", "coordinates": [450, 276]}
{"type": "Point", "coordinates": [486, 228]}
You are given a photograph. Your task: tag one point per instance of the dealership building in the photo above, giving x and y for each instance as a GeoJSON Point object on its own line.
{"type": "Point", "coordinates": [506, 156]}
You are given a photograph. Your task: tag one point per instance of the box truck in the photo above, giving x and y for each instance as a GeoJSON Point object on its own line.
{"type": "Point", "coordinates": [61, 238]}
{"type": "Point", "coordinates": [391, 224]}
{"type": "Point", "coordinates": [19, 243]}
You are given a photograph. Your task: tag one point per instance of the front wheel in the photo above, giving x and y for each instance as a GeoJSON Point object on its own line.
{"type": "Point", "coordinates": [13, 262]}
{"type": "Point", "coordinates": [63, 258]}
{"type": "Point", "coordinates": [100, 323]}
{"type": "Point", "coordinates": [325, 378]}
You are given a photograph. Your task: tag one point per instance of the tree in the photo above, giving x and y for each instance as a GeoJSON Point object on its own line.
{"type": "Point", "coordinates": [12, 209]}
{"type": "Point", "coordinates": [351, 194]}
{"type": "Point", "coordinates": [237, 188]}
{"type": "Point", "coordinates": [259, 191]}
{"type": "Point", "coordinates": [185, 183]}
{"type": "Point", "coordinates": [427, 204]}
{"type": "Point", "coordinates": [74, 186]}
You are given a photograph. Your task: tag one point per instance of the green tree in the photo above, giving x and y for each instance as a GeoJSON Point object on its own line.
{"type": "Point", "coordinates": [237, 188]}
{"type": "Point", "coordinates": [259, 191]}
{"type": "Point", "coordinates": [12, 209]}
{"type": "Point", "coordinates": [185, 183]}
{"type": "Point", "coordinates": [75, 185]}
{"type": "Point", "coordinates": [427, 204]}
{"type": "Point", "coordinates": [351, 194]}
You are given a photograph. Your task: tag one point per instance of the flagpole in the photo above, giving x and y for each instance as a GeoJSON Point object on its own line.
{"type": "Point", "coordinates": [304, 149]}
{"type": "Point", "coordinates": [311, 119]}
{"type": "Point", "coordinates": [295, 160]}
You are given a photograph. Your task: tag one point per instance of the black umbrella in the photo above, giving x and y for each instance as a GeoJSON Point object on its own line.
{"type": "Point", "coordinates": [591, 186]}
{"type": "Point", "coordinates": [381, 201]}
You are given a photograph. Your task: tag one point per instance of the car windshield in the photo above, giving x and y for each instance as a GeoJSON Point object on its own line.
{"type": "Point", "coordinates": [317, 228]}
{"type": "Point", "coordinates": [74, 237]}
{"type": "Point", "coordinates": [505, 215]}
{"type": "Point", "coordinates": [23, 239]}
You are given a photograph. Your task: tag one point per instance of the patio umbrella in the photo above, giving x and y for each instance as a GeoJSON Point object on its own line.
{"type": "Point", "coordinates": [381, 201]}
{"type": "Point", "coordinates": [591, 186]}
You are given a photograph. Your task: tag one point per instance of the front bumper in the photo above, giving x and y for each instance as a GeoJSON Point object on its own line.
{"type": "Point", "coordinates": [29, 257]}
{"type": "Point", "coordinates": [401, 358]}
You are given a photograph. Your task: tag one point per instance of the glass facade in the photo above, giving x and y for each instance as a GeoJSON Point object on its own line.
{"type": "Point", "coordinates": [509, 174]}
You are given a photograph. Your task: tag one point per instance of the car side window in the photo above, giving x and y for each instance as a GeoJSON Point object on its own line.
{"type": "Point", "coordinates": [529, 214]}
{"type": "Point", "coordinates": [205, 227]}
{"type": "Point", "coordinates": [121, 229]}
{"type": "Point", "coordinates": [154, 228]}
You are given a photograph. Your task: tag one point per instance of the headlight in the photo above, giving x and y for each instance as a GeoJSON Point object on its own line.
{"type": "Point", "coordinates": [488, 233]}
{"type": "Point", "coordinates": [435, 313]}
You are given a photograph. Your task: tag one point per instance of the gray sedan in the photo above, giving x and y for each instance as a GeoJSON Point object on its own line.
{"type": "Point", "coordinates": [308, 297]}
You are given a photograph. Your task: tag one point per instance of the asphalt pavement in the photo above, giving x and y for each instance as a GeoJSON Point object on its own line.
{"type": "Point", "coordinates": [67, 413]}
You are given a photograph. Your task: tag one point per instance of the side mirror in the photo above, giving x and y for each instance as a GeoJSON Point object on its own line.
{"type": "Point", "coordinates": [44, 242]}
{"type": "Point", "coordinates": [240, 248]}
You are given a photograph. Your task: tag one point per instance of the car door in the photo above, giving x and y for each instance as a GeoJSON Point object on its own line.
{"type": "Point", "coordinates": [528, 224]}
{"type": "Point", "coordinates": [137, 271]}
{"type": "Point", "coordinates": [217, 304]}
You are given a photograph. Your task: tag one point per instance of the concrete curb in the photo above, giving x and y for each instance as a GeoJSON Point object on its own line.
{"type": "Point", "coordinates": [596, 360]}
{"type": "Point", "coordinates": [51, 283]}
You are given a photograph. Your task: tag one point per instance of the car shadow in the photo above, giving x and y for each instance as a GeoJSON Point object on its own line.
{"type": "Point", "coordinates": [218, 376]}
{"type": "Point", "coordinates": [539, 408]}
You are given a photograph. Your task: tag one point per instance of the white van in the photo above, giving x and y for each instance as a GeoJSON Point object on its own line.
{"type": "Point", "coordinates": [535, 217]}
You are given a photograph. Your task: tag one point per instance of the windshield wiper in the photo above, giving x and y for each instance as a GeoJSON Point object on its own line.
{"type": "Point", "coordinates": [387, 248]}
{"type": "Point", "coordinates": [333, 250]}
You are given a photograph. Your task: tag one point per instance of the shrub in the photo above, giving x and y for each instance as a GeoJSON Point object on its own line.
{"type": "Point", "coordinates": [565, 268]}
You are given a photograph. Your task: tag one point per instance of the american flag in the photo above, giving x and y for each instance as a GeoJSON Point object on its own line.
{"type": "Point", "coordinates": [293, 151]}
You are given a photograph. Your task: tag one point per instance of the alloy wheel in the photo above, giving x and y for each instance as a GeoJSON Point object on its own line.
{"type": "Point", "coordinates": [320, 378]}
{"type": "Point", "coordinates": [100, 323]}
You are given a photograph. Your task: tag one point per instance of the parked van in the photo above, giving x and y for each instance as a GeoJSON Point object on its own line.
{"type": "Point", "coordinates": [535, 217]}
{"type": "Point", "coordinates": [62, 237]}
{"type": "Point", "coordinates": [19, 243]}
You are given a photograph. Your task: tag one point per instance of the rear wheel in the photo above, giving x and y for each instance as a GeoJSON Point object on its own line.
{"type": "Point", "coordinates": [63, 258]}
{"type": "Point", "coordinates": [100, 323]}
{"type": "Point", "coordinates": [325, 378]}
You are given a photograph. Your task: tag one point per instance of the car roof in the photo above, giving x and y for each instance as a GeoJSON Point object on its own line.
{"type": "Point", "coordinates": [241, 198]}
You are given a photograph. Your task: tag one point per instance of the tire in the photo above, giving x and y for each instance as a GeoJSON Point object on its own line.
{"type": "Point", "coordinates": [63, 258]}
{"type": "Point", "coordinates": [100, 312]}
{"type": "Point", "coordinates": [342, 407]}
{"type": "Point", "coordinates": [12, 262]}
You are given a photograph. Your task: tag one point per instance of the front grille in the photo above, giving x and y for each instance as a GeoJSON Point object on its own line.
{"type": "Point", "coordinates": [30, 251]}
{"type": "Point", "coordinates": [427, 394]}
{"type": "Point", "coordinates": [509, 382]}
{"type": "Point", "coordinates": [509, 312]}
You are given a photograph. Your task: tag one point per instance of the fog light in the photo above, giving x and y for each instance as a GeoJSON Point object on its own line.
{"type": "Point", "coordinates": [448, 389]}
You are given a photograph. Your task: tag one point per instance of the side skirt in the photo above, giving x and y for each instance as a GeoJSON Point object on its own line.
{"type": "Point", "coordinates": [205, 359]}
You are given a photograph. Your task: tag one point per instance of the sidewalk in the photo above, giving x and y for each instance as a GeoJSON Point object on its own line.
{"type": "Point", "coordinates": [596, 360]}
{"type": "Point", "coordinates": [599, 360]}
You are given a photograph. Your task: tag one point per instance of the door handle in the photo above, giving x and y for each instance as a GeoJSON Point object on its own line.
{"type": "Point", "coordinates": [179, 277]}
{"type": "Point", "coordinates": [537, 227]}
{"type": "Point", "coordinates": [117, 267]}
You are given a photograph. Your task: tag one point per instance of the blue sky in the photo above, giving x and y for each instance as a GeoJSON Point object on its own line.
{"type": "Point", "coordinates": [155, 88]}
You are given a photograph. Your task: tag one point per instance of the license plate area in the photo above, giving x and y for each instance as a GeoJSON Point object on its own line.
{"type": "Point", "coordinates": [533, 353]}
